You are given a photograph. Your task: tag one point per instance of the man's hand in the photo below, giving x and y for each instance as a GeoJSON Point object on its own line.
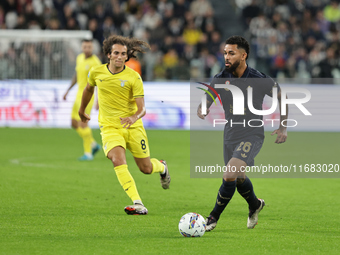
{"type": "Point", "coordinates": [128, 121]}
{"type": "Point", "coordinates": [83, 116]}
{"type": "Point", "coordinates": [199, 112]}
{"type": "Point", "coordinates": [64, 97]}
{"type": "Point", "coordinates": [281, 135]}
{"type": "Point", "coordinates": [282, 131]}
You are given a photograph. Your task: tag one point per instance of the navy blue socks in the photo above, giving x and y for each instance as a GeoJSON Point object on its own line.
{"type": "Point", "coordinates": [225, 194]}
{"type": "Point", "coordinates": [246, 190]}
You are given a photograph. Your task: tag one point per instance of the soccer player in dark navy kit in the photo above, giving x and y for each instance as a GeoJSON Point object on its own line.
{"type": "Point", "coordinates": [242, 142]}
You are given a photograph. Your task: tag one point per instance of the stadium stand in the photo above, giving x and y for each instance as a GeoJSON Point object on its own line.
{"type": "Point", "coordinates": [289, 38]}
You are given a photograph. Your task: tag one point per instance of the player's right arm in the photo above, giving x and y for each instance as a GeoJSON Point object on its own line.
{"type": "Point", "coordinates": [199, 110]}
{"type": "Point", "coordinates": [282, 130]}
{"type": "Point", "coordinates": [208, 99]}
{"type": "Point", "coordinates": [87, 95]}
{"type": "Point", "coordinates": [73, 82]}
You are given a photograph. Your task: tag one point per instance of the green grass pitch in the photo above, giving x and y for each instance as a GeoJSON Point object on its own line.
{"type": "Point", "coordinates": [52, 204]}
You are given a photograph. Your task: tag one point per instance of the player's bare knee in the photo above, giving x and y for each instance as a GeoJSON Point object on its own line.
{"type": "Point", "coordinates": [229, 179]}
{"type": "Point", "coordinates": [82, 124]}
{"type": "Point", "coordinates": [240, 180]}
{"type": "Point", "coordinates": [74, 124]}
{"type": "Point", "coordinates": [145, 168]}
{"type": "Point", "coordinates": [230, 176]}
{"type": "Point", "coordinates": [117, 162]}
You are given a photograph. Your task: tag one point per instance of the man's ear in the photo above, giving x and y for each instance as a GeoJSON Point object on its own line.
{"type": "Point", "coordinates": [244, 55]}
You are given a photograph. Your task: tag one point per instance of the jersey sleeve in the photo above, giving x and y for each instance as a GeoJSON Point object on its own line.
{"type": "Point", "coordinates": [91, 78]}
{"type": "Point", "coordinates": [269, 85]}
{"type": "Point", "coordinates": [137, 87]}
{"type": "Point", "coordinates": [211, 92]}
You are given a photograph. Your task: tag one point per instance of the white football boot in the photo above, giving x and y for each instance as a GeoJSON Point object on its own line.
{"type": "Point", "coordinates": [254, 215]}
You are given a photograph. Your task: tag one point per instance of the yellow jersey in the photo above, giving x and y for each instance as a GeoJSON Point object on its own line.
{"type": "Point", "coordinates": [83, 66]}
{"type": "Point", "coordinates": [116, 94]}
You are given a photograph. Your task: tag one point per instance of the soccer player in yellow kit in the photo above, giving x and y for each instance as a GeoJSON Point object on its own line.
{"type": "Point", "coordinates": [85, 61]}
{"type": "Point", "coordinates": [121, 107]}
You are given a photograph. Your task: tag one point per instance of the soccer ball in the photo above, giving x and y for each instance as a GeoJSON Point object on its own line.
{"type": "Point", "coordinates": [192, 225]}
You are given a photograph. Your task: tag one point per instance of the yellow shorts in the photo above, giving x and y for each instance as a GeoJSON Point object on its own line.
{"type": "Point", "coordinates": [76, 106]}
{"type": "Point", "coordinates": [134, 139]}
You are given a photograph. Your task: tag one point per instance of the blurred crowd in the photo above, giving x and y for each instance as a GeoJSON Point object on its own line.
{"type": "Point", "coordinates": [295, 39]}
{"type": "Point", "coordinates": [289, 38]}
{"type": "Point", "coordinates": [183, 35]}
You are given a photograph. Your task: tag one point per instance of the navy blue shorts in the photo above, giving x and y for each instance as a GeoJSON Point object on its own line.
{"type": "Point", "coordinates": [245, 149]}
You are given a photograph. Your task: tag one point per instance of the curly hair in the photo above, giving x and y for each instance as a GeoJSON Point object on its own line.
{"type": "Point", "coordinates": [240, 42]}
{"type": "Point", "coordinates": [133, 45]}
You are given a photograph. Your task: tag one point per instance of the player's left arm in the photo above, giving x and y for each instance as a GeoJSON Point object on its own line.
{"type": "Point", "coordinates": [87, 95]}
{"type": "Point", "coordinates": [209, 101]}
{"type": "Point", "coordinates": [282, 130]}
{"type": "Point", "coordinates": [128, 121]}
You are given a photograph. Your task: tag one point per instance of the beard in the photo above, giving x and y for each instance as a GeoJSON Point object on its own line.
{"type": "Point", "coordinates": [232, 67]}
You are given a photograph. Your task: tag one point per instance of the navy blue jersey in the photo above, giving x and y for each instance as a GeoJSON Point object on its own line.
{"type": "Point", "coordinates": [237, 127]}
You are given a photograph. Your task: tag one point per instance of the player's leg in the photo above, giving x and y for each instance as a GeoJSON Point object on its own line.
{"type": "Point", "coordinates": [117, 156]}
{"type": "Point", "coordinates": [246, 190]}
{"type": "Point", "coordinates": [74, 123]}
{"type": "Point", "coordinates": [78, 126]}
{"type": "Point", "coordinates": [214, 216]}
{"type": "Point", "coordinates": [89, 144]}
{"type": "Point", "coordinates": [150, 166]}
{"type": "Point", "coordinates": [226, 191]}
{"type": "Point", "coordinates": [88, 132]}
{"type": "Point", "coordinates": [114, 149]}
{"type": "Point", "coordinates": [247, 151]}
{"type": "Point", "coordinates": [91, 147]}
{"type": "Point", "coordinates": [138, 145]}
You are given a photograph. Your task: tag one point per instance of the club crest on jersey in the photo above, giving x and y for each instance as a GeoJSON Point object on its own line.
{"type": "Point", "coordinates": [122, 82]}
{"type": "Point", "coordinates": [227, 82]}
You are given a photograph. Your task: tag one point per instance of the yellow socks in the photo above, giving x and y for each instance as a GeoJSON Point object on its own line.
{"type": "Point", "coordinates": [86, 135]}
{"type": "Point", "coordinates": [127, 182]}
{"type": "Point", "coordinates": [157, 166]}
